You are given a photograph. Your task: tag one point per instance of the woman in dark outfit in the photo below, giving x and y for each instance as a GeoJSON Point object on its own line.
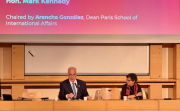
{"type": "Point", "coordinates": [132, 90]}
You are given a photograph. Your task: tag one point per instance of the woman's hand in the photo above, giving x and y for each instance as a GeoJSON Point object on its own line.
{"type": "Point", "coordinates": [139, 94]}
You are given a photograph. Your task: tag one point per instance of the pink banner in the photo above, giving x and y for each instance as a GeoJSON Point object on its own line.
{"type": "Point", "coordinates": [89, 17]}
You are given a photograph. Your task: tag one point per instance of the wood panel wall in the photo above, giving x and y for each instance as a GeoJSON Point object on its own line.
{"type": "Point", "coordinates": [5, 61]}
{"type": "Point", "coordinates": [156, 61]}
{"type": "Point", "coordinates": [177, 70]}
{"type": "Point", "coordinates": [18, 61]}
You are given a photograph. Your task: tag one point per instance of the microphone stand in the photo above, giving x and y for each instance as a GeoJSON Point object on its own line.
{"type": "Point", "coordinates": [77, 86]}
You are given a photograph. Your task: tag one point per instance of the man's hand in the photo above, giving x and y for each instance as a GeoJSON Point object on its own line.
{"type": "Point", "coordinates": [89, 98]}
{"type": "Point", "coordinates": [71, 95]}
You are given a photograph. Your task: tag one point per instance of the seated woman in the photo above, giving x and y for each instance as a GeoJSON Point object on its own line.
{"type": "Point", "coordinates": [132, 90]}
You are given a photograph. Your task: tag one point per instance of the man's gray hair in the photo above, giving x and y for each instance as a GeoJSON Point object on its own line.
{"type": "Point", "coordinates": [71, 68]}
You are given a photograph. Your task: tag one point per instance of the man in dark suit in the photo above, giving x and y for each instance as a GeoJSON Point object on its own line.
{"type": "Point", "coordinates": [73, 88]}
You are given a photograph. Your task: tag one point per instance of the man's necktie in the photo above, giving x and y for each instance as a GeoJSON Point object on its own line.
{"type": "Point", "coordinates": [74, 89]}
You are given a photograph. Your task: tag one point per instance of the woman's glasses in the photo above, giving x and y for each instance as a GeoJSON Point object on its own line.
{"type": "Point", "coordinates": [128, 80]}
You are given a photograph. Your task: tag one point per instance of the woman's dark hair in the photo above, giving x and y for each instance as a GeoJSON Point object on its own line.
{"type": "Point", "coordinates": [132, 76]}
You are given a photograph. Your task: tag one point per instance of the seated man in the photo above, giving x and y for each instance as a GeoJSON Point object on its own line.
{"type": "Point", "coordinates": [73, 88]}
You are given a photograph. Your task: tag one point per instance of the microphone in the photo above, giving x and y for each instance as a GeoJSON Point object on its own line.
{"type": "Point", "coordinates": [77, 86]}
{"type": "Point", "coordinates": [133, 93]}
